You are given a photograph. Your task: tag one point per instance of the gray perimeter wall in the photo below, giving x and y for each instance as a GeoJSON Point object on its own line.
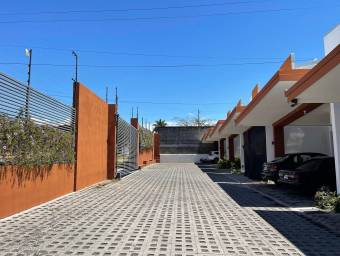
{"type": "Point", "coordinates": [184, 140]}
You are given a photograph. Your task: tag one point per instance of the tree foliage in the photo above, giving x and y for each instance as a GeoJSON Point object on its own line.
{"type": "Point", "coordinates": [192, 121]}
{"type": "Point", "coordinates": [145, 138]}
{"type": "Point", "coordinates": [160, 123]}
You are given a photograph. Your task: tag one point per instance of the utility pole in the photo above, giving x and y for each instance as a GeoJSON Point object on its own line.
{"type": "Point", "coordinates": [137, 113]}
{"type": "Point", "coordinates": [106, 94]}
{"type": "Point", "coordinates": [198, 118]}
{"type": "Point", "coordinates": [132, 112]}
{"type": "Point", "coordinates": [29, 54]}
{"type": "Point", "coordinates": [76, 67]}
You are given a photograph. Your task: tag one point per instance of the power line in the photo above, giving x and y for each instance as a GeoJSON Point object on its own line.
{"type": "Point", "coordinates": [175, 103]}
{"type": "Point", "coordinates": [138, 53]}
{"type": "Point", "coordinates": [168, 17]}
{"type": "Point", "coordinates": [143, 54]}
{"type": "Point", "coordinates": [135, 9]}
{"type": "Point", "coordinates": [189, 65]}
{"type": "Point", "coordinates": [152, 102]}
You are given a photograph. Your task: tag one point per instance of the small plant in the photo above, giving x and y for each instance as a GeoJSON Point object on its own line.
{"type": "Point", "coordinates": [237, 163]}
{"type": "Point", "coordinates": [326, 199]}
{"type": "Point", "coordinates": [236, 171]}
{"type": "Point", "coordinates": [222, 164]}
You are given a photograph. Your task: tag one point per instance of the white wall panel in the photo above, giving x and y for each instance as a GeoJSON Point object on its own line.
{"type": "Point", "coordinates": [308, 139]}
{"type": "Point", "coordinates": [237, 147]}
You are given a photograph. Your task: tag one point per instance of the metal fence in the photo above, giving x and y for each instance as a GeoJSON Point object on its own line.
{"type": "Point", "coordinates": [18, 100]}
{"type": "Point", "coordinates": [35, 129]}
{"type": "Point", "coordinates": [127, 141]}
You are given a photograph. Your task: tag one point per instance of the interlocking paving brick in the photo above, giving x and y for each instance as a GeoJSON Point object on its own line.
{"type": "Point", "coordinates": [166, 209]}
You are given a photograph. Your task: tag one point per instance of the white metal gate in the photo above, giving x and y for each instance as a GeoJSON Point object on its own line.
{"type": "Point", "coordinates": [126, 151]}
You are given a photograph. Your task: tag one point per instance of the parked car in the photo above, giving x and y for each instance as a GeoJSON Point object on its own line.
{"type": "Point", "coordinates": [317, 172]}
{"type": "Point", "coordinates": [212, 157]}
{"type": "Point", "coordinates": [287, 162]}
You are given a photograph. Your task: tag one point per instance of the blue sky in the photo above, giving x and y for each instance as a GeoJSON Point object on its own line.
{"type": "Point", "coordinates": [216, 32]}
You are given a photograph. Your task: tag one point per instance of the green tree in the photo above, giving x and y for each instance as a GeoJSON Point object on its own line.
{"type": "Point", "coordinates": [160, 123]}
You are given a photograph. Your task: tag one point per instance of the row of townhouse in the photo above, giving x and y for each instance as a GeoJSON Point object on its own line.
{"type": "Point", "coordinates": [298, 110]}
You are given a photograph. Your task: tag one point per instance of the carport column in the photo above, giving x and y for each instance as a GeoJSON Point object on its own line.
{"type": "Point", "coordinates": [242, 152]}
{"type": "Point", "coordinates": [226, 148]}
{"type": "Point", "coordinates": [335, 119]}
{"type": "Point", "coordinates": [269, 143]}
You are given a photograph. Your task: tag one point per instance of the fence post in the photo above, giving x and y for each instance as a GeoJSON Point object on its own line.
{"type": "Point", "coordinates": [156, 147]}
{"type": "Point", "coordinates": [134, 123]}
{"type": "Point", "coordinates": [75, 105]}
{"type": "Point", "coordinates": [112, 140]}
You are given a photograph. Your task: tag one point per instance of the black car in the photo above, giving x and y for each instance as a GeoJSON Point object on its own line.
{"type": "Point", "coordinates": [313, 174]}
{"type": "Point", "coordinates": [288, 162]}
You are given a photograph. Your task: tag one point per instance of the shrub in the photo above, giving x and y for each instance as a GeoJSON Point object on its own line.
{"type": "Point", "coordinates": [326, 199]}
{"type": "Point", "coordinates": [237, 163]}
{"type": "Point", "coordinates": [146, 138]}
{"type": "Point", "coordinates": [24, 143]}
{"type": "Point", "coordinates": [222, 164]}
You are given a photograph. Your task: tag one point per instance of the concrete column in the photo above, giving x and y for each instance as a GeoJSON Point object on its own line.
{"type": "Point", "coordinates": [335, 120]}
{"type": "Point", "coordinates": [242, 153]}
{"type": "Point", "coordinates": [269, 143]}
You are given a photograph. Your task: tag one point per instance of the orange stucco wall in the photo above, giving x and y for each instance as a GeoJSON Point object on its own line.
{"type": "Point", "coordinates": [146, 157]}
{"type": "Point", "coordinates": [21, 188]}
{"type": "Point", "coordinates": [92, 137]}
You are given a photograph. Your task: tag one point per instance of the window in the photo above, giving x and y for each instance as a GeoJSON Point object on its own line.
{"type": "Point", "coordinates": [305, 158]}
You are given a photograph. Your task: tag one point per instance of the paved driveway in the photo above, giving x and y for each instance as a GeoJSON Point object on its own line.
{"type": "Point", "coordinates": [166, 209]}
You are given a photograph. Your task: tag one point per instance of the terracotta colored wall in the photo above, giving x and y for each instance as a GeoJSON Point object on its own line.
{"type": "Point", "coordinates": [21, 189]}
{"type": "Point", "coordinates": [92, 137]}
{"type": "Point", "coordinates": [146, 157]}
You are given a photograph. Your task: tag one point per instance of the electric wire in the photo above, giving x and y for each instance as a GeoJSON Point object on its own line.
{"type": "Point", "coordinates": [279, 10]}
{"type": "Point", "coordinates": [188, 65]}
{"type": "Point", "coordinates": [134, 9]}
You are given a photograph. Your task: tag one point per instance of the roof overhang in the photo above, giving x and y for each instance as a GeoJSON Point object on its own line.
{"type": "Point", "coordinates": [270, 104]}
{"type": "Point", "coordinates": [229, 127]}
{"type": "Point", "coordinates": [320, 116]}
{"type": "Point", "coordinates": [321, 83]}
{"type": "Point", "coordinates": [213, 133]}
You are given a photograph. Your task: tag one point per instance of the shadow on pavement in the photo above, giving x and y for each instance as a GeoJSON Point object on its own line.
{"type": "Point", "coordinates": [308, 237]}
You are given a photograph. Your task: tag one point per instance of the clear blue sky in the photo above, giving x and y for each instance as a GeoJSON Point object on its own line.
{"type": "Point", "coordinates": [255, 31]}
